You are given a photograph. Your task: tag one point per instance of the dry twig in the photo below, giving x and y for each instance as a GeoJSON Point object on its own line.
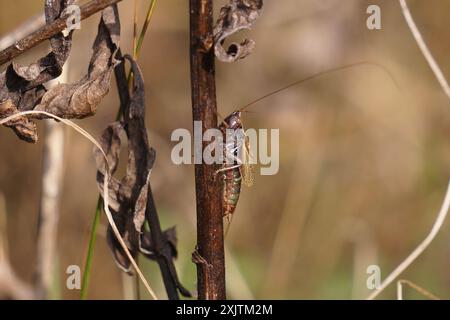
{"type": "Point", "coordinates": [210, 242]}
{"type": "Point", "coordinates": [50, 30]}
{"type": "Point", "coordinates": [414, 286]}
{"type": "Point", "coordinates": [419, 249]}
{"type": "Point", "coordinates": [424, 48]}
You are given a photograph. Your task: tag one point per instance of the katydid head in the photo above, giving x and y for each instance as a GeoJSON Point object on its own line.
{"type": "Point", "coordinates": [233, 121]}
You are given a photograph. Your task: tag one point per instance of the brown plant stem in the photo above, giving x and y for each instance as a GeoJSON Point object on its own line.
{"type": "Point", "coordinates": [209, 254]}
{"type": "Point", "coordinates": [50, 30]}
{"type": "Point", "coordinates": [162, 250]}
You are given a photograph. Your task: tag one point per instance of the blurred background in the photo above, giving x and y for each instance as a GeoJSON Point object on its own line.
{"type": "Point", "coordinates": [364, 159]}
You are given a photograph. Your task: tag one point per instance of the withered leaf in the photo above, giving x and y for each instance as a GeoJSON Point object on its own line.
{"type": "Point", "coordinates": [119, 255]}
{"type": "Point", "coordinates": [81, 98]}
{"type": "Point", "coordinates": [170, 236]}
{"type": "Point", "coordinates": [22, 86]}
{"type": "Point", "coordinates": [141, 205]}
{"type": "Point", "coordinates": [110, 143]}
{"type": "Point", "coordinates": [21, 125]}
{"type": "Point", "coordinates": [235, 16]}
{"type": "Point", "coordinates": [128, 195]}
{"type": "Point", "coordinates": [140, 156]}
{"type": "Point", "coordinates": [133, 196]}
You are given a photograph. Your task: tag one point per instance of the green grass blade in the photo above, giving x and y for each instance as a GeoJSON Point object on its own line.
{"type": "Point", "coordinates": [148, 18]}
{"type": "Point", "coordinates": [90, 253]}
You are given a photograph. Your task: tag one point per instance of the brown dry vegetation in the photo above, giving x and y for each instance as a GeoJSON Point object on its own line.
{"type": "Point", "coordinates": [363, 164]}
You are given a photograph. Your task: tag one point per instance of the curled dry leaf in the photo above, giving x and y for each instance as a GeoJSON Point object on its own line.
{"type": "Point", "coordinates": [21, 88]}
{"type": "Point", "coordinates": [111, 143]}
{"type": "Point", "coordinates": [81, 98]}
{"type": "Point", "coordinates": [170, 235]}
{"type": "Point", "coordinates": [235, 16]}
{"type": "Point", "coordinates": [128, 195]}
{"type": "Point", "coordinates": [131, 197]}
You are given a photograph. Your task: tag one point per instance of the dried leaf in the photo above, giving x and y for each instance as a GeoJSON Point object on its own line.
{"type": "Point", "coordinates": [119, 255]}
{"type": "Point", "coordinates": [141, 206]}
{"type": "Point", "coordinates": [110, 142]}
{"type": "Point", "coordinates": [134, 192]}
{"type": "Point", "coordinates": [22, 86]}
{"type": "Point", "coordinates": [21, 126]}
{"type": "Point", "coordinates": [140, 156]}
{"type": "Point", "coordinates": [129, 195]}
{"type": "Point", "coordinates": [235, 16]}
{"type": "Point", "coordinates": [170, 236]}
{"type": "Point", "coordinates": [81, 98]}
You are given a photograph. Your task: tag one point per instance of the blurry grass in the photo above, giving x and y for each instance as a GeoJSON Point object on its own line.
{"type": "Point", "coordinates": [338, 285]}
{"type": "Point", "coordinates": [55, 292]}
{"type": "Point", "coordinates": [252, 267]}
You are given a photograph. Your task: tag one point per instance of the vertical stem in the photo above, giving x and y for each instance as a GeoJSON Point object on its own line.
{"type": "Point", "coordinates": [49, 210]}
{"type": "Point", "coordinates": [129, 287]}
{"type": "Point", "coordinates": [161, 248]}
{"type": "Point", "coordinates": [52, 178]}
{"type": "Point", "coordinates": [210, 242]}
